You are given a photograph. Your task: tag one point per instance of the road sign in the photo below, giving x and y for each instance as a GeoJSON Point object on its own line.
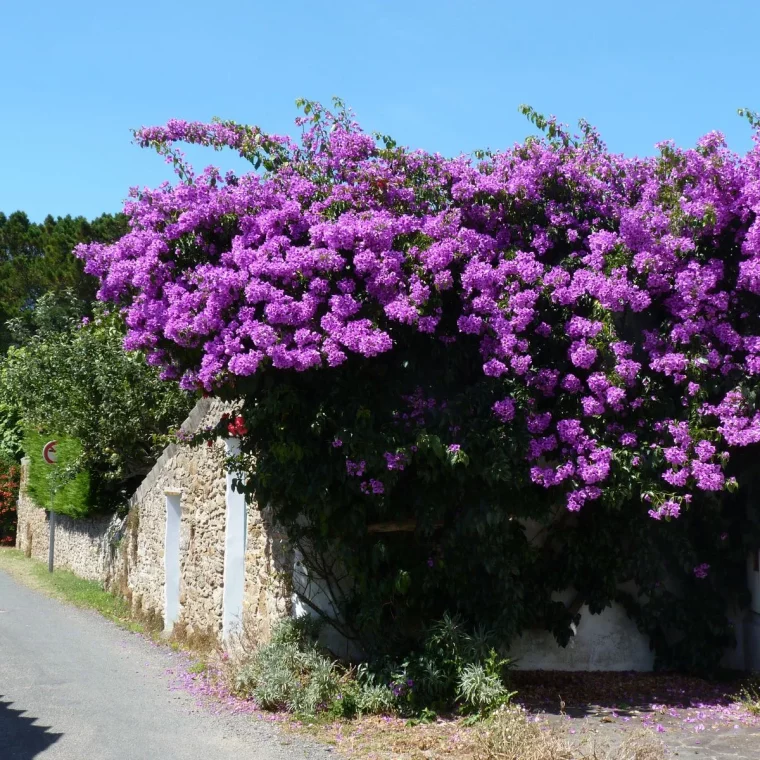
{"type": "Point", "coordinates": [49, 453]}
{"type": "Point", "coordinates": [50, 456]}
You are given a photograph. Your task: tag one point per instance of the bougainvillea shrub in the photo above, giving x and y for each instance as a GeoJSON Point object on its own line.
{"type": "Point", "coordinates": [9, 483]}
{"type": "Point", "coordinates": [472, 382]}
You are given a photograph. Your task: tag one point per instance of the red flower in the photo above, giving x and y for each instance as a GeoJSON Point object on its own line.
{"type": "Point", "coordinates": [237, 428]}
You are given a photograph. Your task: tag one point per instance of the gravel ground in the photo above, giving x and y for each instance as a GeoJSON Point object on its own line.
{"type": "Point", "coordinates": [692, 717]}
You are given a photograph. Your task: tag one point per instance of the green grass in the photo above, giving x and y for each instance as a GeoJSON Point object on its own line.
{"type": "Point", "coordinates": [749, 696]}
{"type": "Point", "coordinates": [66, 586]}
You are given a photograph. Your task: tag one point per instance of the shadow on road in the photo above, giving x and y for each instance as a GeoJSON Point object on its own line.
{"type": "Point", "coordinates": [20, 739]}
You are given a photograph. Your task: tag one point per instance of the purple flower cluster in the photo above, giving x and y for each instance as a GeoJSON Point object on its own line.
{"type": "Point", "coordinates": [373, 486]}
{"type": "Point", "coordinates": [552, 250]}
{"type": "Point", "coordinates": [395, 461]}
{"type": "Point", "coordinates": [667, 510]}
{"type": "Point", "coordinates": [355, 469]}
{"type": "Point", "coordinates": [701, 571]}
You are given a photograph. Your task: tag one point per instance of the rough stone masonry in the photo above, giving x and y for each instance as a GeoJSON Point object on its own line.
{"type": "Point", "coordinates": [126, 554]}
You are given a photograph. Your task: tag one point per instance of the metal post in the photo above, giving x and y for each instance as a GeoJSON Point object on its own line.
{"type": "Point", "coordinates": [51, 543]}
{"type": "Point", "coordinates": [50, 457]}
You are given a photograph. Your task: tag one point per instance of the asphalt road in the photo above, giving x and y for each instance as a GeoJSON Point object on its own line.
{"type": "Point", "coordinates": [73, 686]}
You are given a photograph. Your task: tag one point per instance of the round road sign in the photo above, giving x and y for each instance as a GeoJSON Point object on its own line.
{"type": "Point", "coordinates": [49, 453]}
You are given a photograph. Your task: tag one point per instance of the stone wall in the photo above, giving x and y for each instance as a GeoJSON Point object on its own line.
{"type": "Point", "coordinates": [198, 474]}
{"type": "Point", "coordinates": [267, 597]}
{"type": "Point", "coordinates": [86, 547]}
{"type": "Point", "coordinates": [127, 554]}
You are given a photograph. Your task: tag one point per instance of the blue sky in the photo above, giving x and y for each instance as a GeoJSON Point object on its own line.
{"type": "Point", "coordinates": [445, 76]}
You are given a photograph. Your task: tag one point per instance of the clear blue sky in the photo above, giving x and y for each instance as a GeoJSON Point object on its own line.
{"type": "Point", "coordinates": [445, 76]}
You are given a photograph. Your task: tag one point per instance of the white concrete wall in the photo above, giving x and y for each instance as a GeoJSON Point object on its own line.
{"type": "Point", "coordinates": [216, 585]}
{"type": "Point", "coordinates": [608, 641]}
{"type": "Point", "coordinates": [309, 586]}
{"type": "Point", "coordinates": [612, 641]}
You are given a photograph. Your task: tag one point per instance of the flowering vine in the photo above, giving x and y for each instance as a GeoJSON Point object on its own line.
{"type": "Point", "coordinates": [467, 340]}
{"type": "Point", "coordinates": [593, 282]}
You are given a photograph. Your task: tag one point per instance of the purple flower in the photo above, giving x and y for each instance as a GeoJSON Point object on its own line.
{"type": "Point", "coordinates": [582, 355]}
{"type": "Point", "coordinates": [709, 477]}
{"type": "Point", "coordinates": [701, 571]}
{"type": "Point", "coordinates": [375, 487]}
{"type": "Point", "coordinates": [494, 368]}
{"type": "Point", "coordinates": [576, 499]}
{"type": "Point", "coordinates": [676, 477]}
{"type": "Point", "coordinates": [395, 461]}
{"type": "Point", "coordinates": [355, 468]}
{"type": "Point", "coordinates": [571, 384]}
{"type": "Point", "coordinates": [598, 383]}
{"type": "Point", "coordinates": [505, 409]}
{"type": "Point", "coordinates": [674, 455]}
{"type": "Point", "coordinates": [704, 450]}
{"type": "Point", "coordinates": [579, 327]}
{"type": "Point", "coordinates": [337, 443]}
{"type": "Point", "coordinates": [537, 423]}
{"type": "Point", "coordinates": [592, 406]}
{"type": "Point", "coordinates": [670, 509]}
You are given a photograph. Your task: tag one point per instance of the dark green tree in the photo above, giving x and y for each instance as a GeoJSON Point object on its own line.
{"type": "Point", "coordinates": [37, 259]}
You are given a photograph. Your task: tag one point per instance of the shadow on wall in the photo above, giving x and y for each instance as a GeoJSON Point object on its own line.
{"type": "Point", "coordinates": [20, 738]}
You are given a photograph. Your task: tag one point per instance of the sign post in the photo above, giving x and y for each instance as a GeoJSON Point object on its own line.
{"type": "Point", "coordinates": [49, 457]}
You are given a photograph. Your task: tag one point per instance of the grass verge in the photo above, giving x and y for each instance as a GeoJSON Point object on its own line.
{"type": "Point", "coordinates": [64, 585]}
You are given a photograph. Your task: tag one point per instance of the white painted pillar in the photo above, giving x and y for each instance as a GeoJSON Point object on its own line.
{"type": "Point", "coordinates": [171, 558]}
{"type": "Point", "coordinates": [235, 536]}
